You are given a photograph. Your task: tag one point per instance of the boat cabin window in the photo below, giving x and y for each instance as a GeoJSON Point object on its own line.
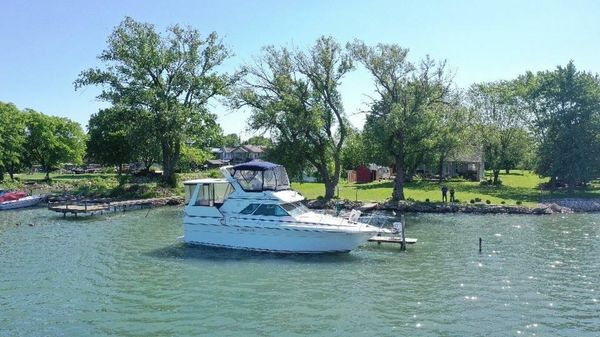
{"type": "Point", "coordinates": [270, 210]}
{"type": "Point", "coordinates": [213, 194]}
{"type": "Point", "coordinates": [249, 209]}
{"type": "Point", "coordinates": [295, 208]}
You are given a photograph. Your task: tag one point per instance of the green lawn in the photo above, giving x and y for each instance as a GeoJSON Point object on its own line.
{"type": "Point", "coordinates": [517, 186]}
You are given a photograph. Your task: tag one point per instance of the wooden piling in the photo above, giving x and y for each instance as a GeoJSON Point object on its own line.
{"type": "Point", "coordinates": [403, 244]}
{"type": "Point", "coordinates": [480, 245]}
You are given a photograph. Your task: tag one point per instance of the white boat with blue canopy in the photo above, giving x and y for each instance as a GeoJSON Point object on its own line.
{"type": "Point", "coordinates": [254, 208]}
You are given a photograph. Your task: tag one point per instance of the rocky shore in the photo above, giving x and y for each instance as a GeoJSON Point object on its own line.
{"type": "Point", "coordinates": [426, 207]}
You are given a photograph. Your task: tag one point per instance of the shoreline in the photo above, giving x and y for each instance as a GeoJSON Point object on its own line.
{"type": "Point", "coordinates": [556, 206]}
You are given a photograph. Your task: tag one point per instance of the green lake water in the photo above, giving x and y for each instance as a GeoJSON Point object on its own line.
{"type": "Point", "coordinates": [128, 274]}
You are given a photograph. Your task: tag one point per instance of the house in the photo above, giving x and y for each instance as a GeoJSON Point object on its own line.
{"type": "Point", "coordinates": [237, 155]}
{"type": "Point", "coordinates": [467, 164]}
{"type": "Point", "coordinates": [244, 153]}
{"type": "Point", "coordinates": [363, 174]}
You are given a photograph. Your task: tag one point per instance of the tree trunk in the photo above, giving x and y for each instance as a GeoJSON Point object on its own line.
{"type": "Point", "coordinates": [441, 168]}
{"type": "Point", "coordinates": [170, 156]}
{"type": "Point", "coordinates": [496, 174]}
{"type": "Point", "coordinates": [120, 171]}
{"type": "Point", "coordinates": [507, 171]}
{"type": "Point", "coordinates": [398, 193]}
{"type": "Point", "coordinates": [329, 190]}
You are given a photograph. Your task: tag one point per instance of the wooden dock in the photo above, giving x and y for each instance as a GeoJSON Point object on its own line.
{"type": "Point", "coordinates": [77, 207]}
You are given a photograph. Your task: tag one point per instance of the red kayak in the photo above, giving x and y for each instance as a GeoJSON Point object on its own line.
{"type": "Point", "coordinates": [12, 196]}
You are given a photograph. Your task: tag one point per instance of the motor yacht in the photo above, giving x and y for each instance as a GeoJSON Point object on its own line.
{"type": "Point", "coordinates": [254, 208]}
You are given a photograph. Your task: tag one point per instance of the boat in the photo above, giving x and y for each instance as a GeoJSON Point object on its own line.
{"type": "Point", "coordinates": [254, 208]}
{"type": "Point", "coordinates": [23, 202]}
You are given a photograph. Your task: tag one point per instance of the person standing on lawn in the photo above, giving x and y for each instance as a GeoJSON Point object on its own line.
{"type": "Point", "coordinates": [452, 194]}
{"type": "Point", "coordinates": [444, 194]}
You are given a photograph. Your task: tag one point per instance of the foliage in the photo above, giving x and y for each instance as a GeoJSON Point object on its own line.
{"type": "Point", "coordinates": [259, 140]}
{"type": "Point", "coordinates": [52, 140]}
{"type": "Point", "coordinates": [564, 110]}
{"type": "Point", "coordinates": [410, 98]}
{"type": "Point", "coordinates": [294, 95]}
{"type": "Point", "coordinates": [501, 121]}
{"type": "Point", "coordinates": [108, 138]}
{"type": "Point", "coordinates": [354, 152]}
{"type": "Point", "coordinates": [169, 76]}
{"type": "Point", "coordinates": [231, 140]}
{"type": "Point", "coordinates": [192, 158]}
{"type": "Point", "coordinates": [12, 139]}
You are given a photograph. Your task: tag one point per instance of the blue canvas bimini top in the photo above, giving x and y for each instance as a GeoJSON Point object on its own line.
{"type": "Point", "coordinates": [256, 165]}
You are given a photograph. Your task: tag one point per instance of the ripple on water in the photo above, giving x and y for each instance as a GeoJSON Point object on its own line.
{"type": "Point", "coordinates": [125, 274]}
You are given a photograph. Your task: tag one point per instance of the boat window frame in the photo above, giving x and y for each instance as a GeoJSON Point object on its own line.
{"type": "Point", "coordinates": [285, 213]}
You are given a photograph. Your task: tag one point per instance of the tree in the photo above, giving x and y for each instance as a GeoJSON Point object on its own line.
{"type": "Point", "coordinates": [109, 138]}
{"type": "Point", "coordinates": [409, 98]}
{"type": "Point", "coordinates": [564, 109]}
{"type": "Point", "coordinates": [501, 120]}
{"type": "Point", "coordinates": [172, 76]}
{"type": "Point", "coordinates": [453, 134]}
{"type": "Point", "coordinates": [294, 95]}
{"type": "Point", "coordinates": [52, 140]}
{"type": "Point", "coordinates": [354, 152]}
{"type": "Point", "coordinates": [231, 140]}
{"type": "Point", "coordinates": [12, 139]}
{"type": "Point", "coordinates": [259, 140]}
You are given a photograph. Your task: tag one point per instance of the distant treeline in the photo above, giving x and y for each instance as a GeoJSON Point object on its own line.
{"type": "Point", "coordinates": [159, 86]}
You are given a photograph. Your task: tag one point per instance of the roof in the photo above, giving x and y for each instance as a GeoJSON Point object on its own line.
{"type": "Point", "coordinates": [256, 165]}
{"type": "Point", "coordinates": [217, 162]}
{"type": "Point", "coordinates": [254, 148]}
{"type": "Point", "coordinates": [468, 154]}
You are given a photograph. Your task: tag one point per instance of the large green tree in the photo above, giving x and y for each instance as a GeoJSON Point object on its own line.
{"type": "Point", "coordinates": [295, 96]}
{"type": "Point", "coordinates": [52, 140]}
{"type": "Point", "coordinates": [409, 98]}
{"type": "Point", "coordinates": [12, 139]}
{"type": "Point", "coordinates": [108, 138]}
{"type": "Point", "coordinates": [172, 76]}
{"type": "Point", "coordinates": [564, 110]}
{"type": "Point", "coordinates": [501, 122]}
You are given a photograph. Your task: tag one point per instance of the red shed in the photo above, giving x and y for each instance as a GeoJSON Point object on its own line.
{"type": "Point", "coordinates": [363, 174]}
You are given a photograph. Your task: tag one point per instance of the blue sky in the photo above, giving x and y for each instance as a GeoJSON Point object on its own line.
{"type": "Point", "coordinates": [46, 44]}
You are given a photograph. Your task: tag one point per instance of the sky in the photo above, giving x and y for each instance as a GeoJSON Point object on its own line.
{"type": "Point", "coordinates": [44, 45]}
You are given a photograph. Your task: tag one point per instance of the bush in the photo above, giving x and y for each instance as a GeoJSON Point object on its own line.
{"type": "Point", "coordinates": [519, 202]}
{"type": "Point", "coordinates": [456, 201]}
{"type": "Point", "coordinates": [477, 199]}
{"type": "Point", "coordinates": [427, 200]}
{"type": "Point", "coordinates": [488, 202]}
{"type": "Point", "coordinates": [472, 201]}
{"type": "Point", "coordinates": [410, 199]}
{"type": "Point", "coordinates": [503, 202]}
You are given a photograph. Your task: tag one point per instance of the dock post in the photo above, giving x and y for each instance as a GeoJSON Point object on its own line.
{"type": "Point", "coordinates": [403, 244]}
{"type": "Point", "coordinates": [85, 205]}
{"type": "Point", "coordinates": [480, 245]}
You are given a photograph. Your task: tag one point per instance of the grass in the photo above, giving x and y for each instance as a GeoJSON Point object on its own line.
{"type": "Point", "coordinates": [518, 186]}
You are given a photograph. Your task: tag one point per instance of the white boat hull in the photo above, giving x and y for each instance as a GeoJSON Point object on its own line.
{"type": "Point", "coordinates": [21, 203]}
{"type": "Point", "coordinates": [274, 239]}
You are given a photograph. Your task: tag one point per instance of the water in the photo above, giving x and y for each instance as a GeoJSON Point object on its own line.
{"type": "Point", "coordinates": [126, 274]}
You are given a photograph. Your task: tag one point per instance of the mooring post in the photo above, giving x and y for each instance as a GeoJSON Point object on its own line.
{"type": "Point", "coordinates": [403, 244]}
{"type": "Point", "coordinates": [479, 245]}
{"type": "Point", "coordinates": [85, 205]}
{"type": "Point", "coordinates": [356, 194]}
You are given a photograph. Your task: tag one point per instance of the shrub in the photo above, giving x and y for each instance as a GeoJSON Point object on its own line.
{"type": "Point", "coordinates": [519, 202]}
{"type": "Point", "coordinates": [488, 202]}
{"type": "Point", "coordinates": [472, 201]}
{"type": "Point", "coordinates": [503, 202]}
{"type": "Point", "coordinates": [427, 200]}
{"type": "Point", "coordinates": [456, 200]}
{"type": "Point", "coordinates": [410, 199]}
{"type": "Point", "coordinates": [477, 199]}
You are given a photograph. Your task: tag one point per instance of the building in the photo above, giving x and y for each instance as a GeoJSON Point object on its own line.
{"type": "Point", "coordinates": [237, 155]}
{"type": "Point", "coordinates": [467, 164]}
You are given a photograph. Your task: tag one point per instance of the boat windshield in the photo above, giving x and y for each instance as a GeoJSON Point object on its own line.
{"type": "Point", "coordinates": [255, 180]}
{"type": "Point", "coordinates": [295, 208]}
